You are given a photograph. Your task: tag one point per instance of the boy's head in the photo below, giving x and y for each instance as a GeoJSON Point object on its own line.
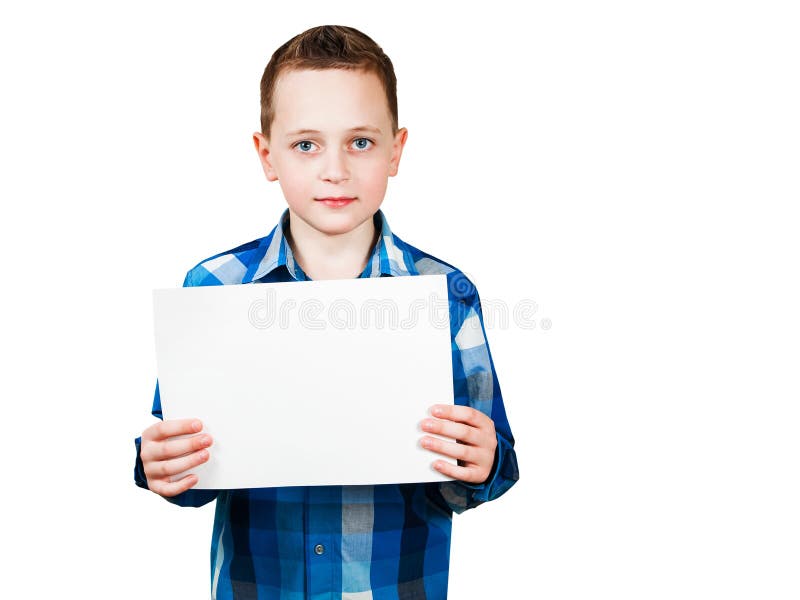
{"type": "Point", "coordinates": [328, 47]}
{"type": "Point", "coordinates": [329, 126]}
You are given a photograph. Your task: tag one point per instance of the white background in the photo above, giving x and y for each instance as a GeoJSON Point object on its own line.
{"type": "Point", "coordinates": [630, 166]}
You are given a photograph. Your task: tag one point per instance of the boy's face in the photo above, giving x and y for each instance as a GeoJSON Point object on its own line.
{"type": "Point", "coordinates": [331, 137]}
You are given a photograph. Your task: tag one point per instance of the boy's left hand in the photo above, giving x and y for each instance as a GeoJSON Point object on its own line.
{"type": "Point", "coordinates": [476, 441]}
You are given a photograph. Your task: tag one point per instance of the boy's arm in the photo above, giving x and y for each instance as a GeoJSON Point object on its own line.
{"type": "Point", "coordinates": [475, 384]}
{"type": "Point", "coordinates": [189, 497]}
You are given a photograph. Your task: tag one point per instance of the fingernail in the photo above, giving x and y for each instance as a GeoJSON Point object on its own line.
{"type": "Point", "coordinates": [197, 425]}
{"type": "Point", "coordinates": [437, 411]}
{"type": "Point", "coordinates": [205, 440]}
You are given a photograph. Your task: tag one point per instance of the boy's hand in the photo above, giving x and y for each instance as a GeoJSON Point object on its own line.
{"type": "Point", "coordinates": [162, 456]}
{"type": "Point", "coordinates": [476, 441]}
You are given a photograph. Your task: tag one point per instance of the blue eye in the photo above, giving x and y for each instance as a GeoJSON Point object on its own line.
{"type": "Point", "coordinates": [362, 143]}
{"type": "Point", "coordinates": [305, 146]}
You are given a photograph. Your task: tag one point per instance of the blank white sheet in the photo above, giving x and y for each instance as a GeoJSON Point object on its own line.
{"type": "Point", "coordinates": [300, 383]}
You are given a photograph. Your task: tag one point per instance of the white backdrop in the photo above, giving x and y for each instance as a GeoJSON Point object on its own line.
{"type": "Point", "coordinates": [632, 167]}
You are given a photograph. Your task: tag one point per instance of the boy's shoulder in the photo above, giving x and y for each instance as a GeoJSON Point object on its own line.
{"type": "Point", "coordinates": [239, 265]}
{"type": "Point", "coordinates": [459, 285]}
{"type": "Point", "coordinates": [229, 267]}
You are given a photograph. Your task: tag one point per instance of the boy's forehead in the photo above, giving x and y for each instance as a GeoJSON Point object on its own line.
{"type": "Point", "coordinates": [324, 76]}
{"type": "Point", "coordinates": [309, 99]}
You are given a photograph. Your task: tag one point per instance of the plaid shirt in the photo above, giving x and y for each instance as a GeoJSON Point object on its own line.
{"type": "Point", "coordinates": [370, 542]}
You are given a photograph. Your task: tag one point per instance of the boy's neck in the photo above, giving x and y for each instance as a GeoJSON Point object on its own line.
{"type": "Point", "coordinates": [323, 256]}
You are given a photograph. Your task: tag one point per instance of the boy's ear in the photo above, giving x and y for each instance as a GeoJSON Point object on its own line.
{"type": "Point", "coordinates": [397, 150]}
{"type": "Point", "coordinates": [262, 148]}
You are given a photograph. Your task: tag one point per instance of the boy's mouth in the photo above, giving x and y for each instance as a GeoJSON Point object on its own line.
{"type": "Point", "coordinates": [335, 202]}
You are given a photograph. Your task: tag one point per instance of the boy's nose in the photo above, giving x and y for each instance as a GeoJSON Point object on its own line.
{"type": "Point", "coordinates": [334, 167]}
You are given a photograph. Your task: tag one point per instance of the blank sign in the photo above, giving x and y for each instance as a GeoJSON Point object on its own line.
{"type": "Point", "coordinates": [308, 383]}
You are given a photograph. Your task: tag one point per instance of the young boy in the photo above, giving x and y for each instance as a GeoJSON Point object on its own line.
{"type": "Point", "coordinates": [329, 136]}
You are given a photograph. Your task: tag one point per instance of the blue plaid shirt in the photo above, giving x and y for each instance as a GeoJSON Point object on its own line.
{"type": "Point", "coordinates": [370, 542]}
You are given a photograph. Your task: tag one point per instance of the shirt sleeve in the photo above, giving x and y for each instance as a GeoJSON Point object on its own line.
{"type": "Point", "coordinates": [190, 497]}
{"type": "Point", "coordinates": [475, 384]}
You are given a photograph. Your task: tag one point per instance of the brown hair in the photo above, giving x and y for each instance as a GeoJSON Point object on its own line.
{"type": "Point", "coordinates": [328, 47]}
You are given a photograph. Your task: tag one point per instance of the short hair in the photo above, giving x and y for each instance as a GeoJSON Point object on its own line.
{"type": "Point", "coordinates": [328, 47]}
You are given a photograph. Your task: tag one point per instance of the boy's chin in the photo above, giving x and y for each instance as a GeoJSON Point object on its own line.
{"type": "Point", "coordinates": [337, 224]}
{"type": "Point", "coordinates": [338, 221]}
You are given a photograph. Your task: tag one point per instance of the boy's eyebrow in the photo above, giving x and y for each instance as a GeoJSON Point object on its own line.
{"type": "Point", "coordinates": [351, 130]}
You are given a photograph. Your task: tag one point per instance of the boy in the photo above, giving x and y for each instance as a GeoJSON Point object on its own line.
{"type": "Point", "coordinates": [329, 136]}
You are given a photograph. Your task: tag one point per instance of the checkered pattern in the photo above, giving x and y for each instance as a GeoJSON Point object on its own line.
{"type": "Point", "coordinates": [381, 542]}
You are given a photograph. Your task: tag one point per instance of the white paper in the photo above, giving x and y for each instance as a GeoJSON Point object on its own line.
{"type": "Point", "coordinates": [300, 383]}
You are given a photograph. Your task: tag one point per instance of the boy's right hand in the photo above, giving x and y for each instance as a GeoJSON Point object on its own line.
{"type": "Point", "coordinates": [163, 456]}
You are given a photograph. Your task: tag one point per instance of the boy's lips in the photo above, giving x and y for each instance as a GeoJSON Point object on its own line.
{"type": "Point", "coordinates": [337, 201]}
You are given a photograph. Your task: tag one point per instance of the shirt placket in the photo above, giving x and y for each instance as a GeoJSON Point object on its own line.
{"type": "Point", "coordinates": [323, 514]}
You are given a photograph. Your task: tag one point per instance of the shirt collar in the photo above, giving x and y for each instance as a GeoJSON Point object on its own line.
{"type": "Point", "coordinates": [389, 256]}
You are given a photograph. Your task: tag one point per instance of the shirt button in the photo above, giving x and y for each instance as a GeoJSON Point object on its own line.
{"type": "Point", "coordinates": [319, 548]}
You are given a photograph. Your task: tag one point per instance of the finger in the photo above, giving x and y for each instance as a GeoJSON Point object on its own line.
{"type": "Point", "coordinates": [165, 468]}
{"type": "Point", "coordinates": [460, 414]}
{"type": "Point", "coordinates": [165, 429]}
{"type": "Point", "coordinates": [458, 431]}
{"type": "Point", "coordinates": [173, 488]}
{"type": "Point", "coordinates": [174, 448]}
{"type": "Point", "coordinates": [468, 474]}
{"type": "Point", "coordinates": [463, 452]}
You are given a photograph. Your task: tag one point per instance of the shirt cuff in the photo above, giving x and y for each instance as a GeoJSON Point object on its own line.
{"type": "Point", "coordinates": [503, 475]}
{"type": "Point", "coordinates": [138, 470]}
{"type": "Point", "coordinates": [461, 495]}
